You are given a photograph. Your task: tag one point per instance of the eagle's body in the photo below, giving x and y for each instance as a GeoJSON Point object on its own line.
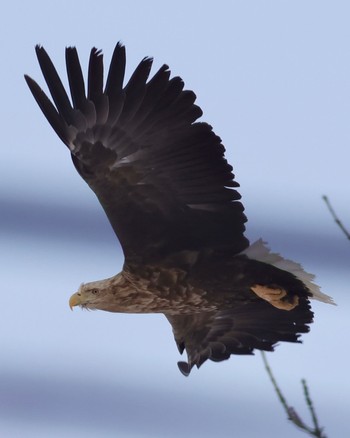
{"type": "Point", "coordinates": [171, 198]}
{"type": "Point", "coordinates": [193, 283]}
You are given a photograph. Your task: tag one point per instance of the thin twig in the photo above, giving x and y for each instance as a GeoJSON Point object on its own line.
{"type": "Point", "coordinates": [274, 383]}
{"type": "Point", "coordinates": [335, 217]}
{"type": "Point", "coordinates": [311, 408]}
{"type": "Point", "coordinates": [290, 411]}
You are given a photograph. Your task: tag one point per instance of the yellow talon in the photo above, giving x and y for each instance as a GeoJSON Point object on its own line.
{"type": "Point", "coordinates": [274, 297]}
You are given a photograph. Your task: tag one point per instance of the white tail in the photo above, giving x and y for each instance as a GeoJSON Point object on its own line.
{"type": "Point", "coordinates": [259, 251]}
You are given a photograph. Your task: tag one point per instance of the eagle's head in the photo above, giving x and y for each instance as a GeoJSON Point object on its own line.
{"type": "Point", "coordinates": [89, 295]}
{"type": "Point", "coordinates": [108, 294]}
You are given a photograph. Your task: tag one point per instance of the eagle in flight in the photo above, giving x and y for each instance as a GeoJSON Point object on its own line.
{"type": "Point", "coordinates": [171, 197]}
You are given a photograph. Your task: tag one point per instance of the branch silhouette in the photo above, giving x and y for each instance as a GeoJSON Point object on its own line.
{"type": "Point", "coordinates": [292, 414]}
{"type": "Point", "coordinates": [335, 217]}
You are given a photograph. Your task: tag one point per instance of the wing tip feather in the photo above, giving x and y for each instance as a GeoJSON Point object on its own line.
{"type": "Point", "coordinates": [184, 368]}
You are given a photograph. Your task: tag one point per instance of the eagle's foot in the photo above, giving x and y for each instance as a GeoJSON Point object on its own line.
{"type": "Point", "coordinates": [277, 297]}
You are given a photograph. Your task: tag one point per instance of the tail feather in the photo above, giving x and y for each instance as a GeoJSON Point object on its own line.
{"type": "Point", "coordinates": [259, 251]}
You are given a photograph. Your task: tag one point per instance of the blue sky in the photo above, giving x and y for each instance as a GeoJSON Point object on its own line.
{"type": "Point", "coordinates": [273, 78]}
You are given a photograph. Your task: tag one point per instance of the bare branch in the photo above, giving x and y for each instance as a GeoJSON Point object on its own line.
{"type": "Point", "coordinates": [335, 217]}
{"type": "Point", "coordinates": [292, 415]}
{"type": "Point", "coordinates": [309, 403]}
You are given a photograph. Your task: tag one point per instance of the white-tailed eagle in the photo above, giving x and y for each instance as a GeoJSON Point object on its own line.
{"type": "Point", "coordinates": [171, 198]}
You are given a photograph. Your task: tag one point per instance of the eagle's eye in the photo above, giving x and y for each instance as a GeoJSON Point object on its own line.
{"type": "Point", "coordinates": [94, 291]}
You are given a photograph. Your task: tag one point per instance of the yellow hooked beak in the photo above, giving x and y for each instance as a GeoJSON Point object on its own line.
{"type": "Point", "coordinates": [75, 300]}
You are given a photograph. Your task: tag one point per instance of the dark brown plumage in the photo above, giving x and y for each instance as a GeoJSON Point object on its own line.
{"type": "Point", "coordinates": [171, 198]}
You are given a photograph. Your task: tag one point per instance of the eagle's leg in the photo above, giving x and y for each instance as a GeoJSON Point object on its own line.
{"type": "Point", "coordinates": [277, 297]}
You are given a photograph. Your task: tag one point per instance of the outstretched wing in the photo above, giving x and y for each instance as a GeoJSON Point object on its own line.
{"type": "Point", "coordinates": [160, 176]}
{"type": "Point", "coordinates": [239, 330]}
